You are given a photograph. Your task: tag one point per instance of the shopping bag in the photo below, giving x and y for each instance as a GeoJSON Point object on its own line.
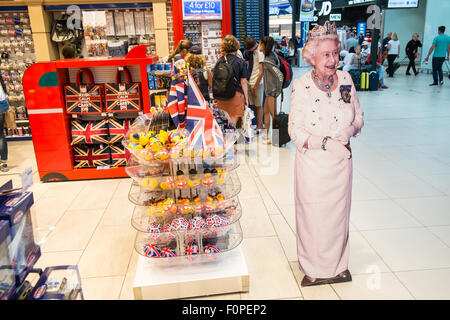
{"type": "Point", "coordinates": [123, 96]}
{"type": "Point", "coordinates": [119, 155]}
{"type": "Point", "coordinates": [90, 132]}
{"type": "Point", "coordinates": [118, 128]}
{"type": "Point", "coordinates": [10, 119]}
{"type": "Point", "coordinates": [84, 98]}
{"type": "Point", "coordinates": [91, 156]}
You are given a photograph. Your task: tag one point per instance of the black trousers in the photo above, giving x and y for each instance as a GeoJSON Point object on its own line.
{"type": "Point", "coordinates": [412, 64]}
{"type": "Point", "coordinates": [391, 58]}
{"type": "Point", "coordinates": [3, 145]}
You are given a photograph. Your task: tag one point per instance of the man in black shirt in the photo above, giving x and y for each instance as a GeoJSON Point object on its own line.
{"type": "Point", "coordinates": [411, 53]}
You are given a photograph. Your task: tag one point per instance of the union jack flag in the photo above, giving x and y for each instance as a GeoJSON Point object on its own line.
{"type": "Point", "coordinates": [177, 102]}
{"type": "Point", "coordinates": [90, 132]}
{"type": "Point", "coordinates": [118, 129]}
{"type": "Point", "coordinates": [204, 132]}
{"type": "Point", "coordinates": [84, 98]}
{"type": "Point", "coordinates": [119, 155]}
{"type": "Point", "coordinates": [91, 157]}
{"type": "Point", "coordinates": [123, 97]}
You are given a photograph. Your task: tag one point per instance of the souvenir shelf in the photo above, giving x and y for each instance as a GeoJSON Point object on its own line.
{"type": "Point", "coordinates": [43, 85]}
{"type": "Point", "coordinates": [17, 53]}
{"type": "Point", "coordinates": [187, 201]}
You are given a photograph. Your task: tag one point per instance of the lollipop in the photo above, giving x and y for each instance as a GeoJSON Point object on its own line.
{"type": "Point", "coordinates": [179, 224]}
{"type": "Point", "coordinates": [207, 179]}
{"type": "Point", "coordinates": [225, 221]}
{"type": "Point", "coordinates": [214, 221]}
{"type": "Point", "coordinates": [155, 228]}
{"type": "Point", "coordinates": [211, 250]}
{"type": "Point", "coordinates": [150, 183]}
{"type": "Point", "coordinates": [186, 208]}
{"type": "Point", "coordinates": [192, 249]}
{"type": "Point", "coordinates": [198, 206]}
{"type": "Point", "coordinates": [180, 180]}
{"type": "Point", "coordinates": [151, 251]}
{"type": "Point", "coordinates": [197, 224]}
{"type": "Point", "coordinates": [168, 253]}
{"type": "Point", "coordinates": [210, 204]}
{"type": "Point", "coordinates": [169, 206]}
{"type": "Point", "coordinates": [193, 181]}
{"type": "Point", "coordinates": [167, 184]}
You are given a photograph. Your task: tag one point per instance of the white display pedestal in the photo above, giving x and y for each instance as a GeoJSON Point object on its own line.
{"type": "Point", "coordinates": [157, 279]}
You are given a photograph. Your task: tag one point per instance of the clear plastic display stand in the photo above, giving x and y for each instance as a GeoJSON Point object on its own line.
{"type": "Point", "coordinates": [177, 279]}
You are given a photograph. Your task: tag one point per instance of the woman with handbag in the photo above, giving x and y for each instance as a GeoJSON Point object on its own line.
{"type": "Point", "coordinates": [393, 53]}
{"type": "Point", "coordinates": [4, 106]}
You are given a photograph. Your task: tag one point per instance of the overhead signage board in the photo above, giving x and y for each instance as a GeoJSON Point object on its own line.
{"type": "Point", "coordinates": [403, 4]}
{"type": "Point", "coordinates": [335, 17]}
{"type": "Point", "coordinates": [202, 10]}
{"type": "Point", "coordinates": [307, 10]}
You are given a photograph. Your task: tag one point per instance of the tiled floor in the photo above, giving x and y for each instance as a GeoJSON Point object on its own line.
{"type": "Point", "coordinates": [400, 220]}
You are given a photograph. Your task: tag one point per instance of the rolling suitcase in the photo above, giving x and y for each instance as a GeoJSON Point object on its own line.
{"type": "Point", "coordinates": [364, 80]}
{"type": "Point", "coordinates": [280, 134]}
{"type": "Point", "coordinates": [356, 78]}
{"type": "Point", "coordinates": [373, 81]}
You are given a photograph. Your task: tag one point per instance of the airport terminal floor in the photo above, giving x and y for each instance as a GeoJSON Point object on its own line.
{"type": "Point", "coordinates": [400, 219]}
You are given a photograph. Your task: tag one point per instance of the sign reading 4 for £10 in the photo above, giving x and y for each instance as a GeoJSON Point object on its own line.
{"type": "Point", "coordinates": [202, 10]}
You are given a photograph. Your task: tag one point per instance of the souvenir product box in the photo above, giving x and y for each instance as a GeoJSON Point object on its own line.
{"type": "Point", "coordinates": [23, 251]}
{"type": "Point", "coordinates": [7, 278]}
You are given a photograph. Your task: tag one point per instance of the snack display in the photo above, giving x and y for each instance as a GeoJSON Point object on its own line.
{"type": "Point", "coordinates": [184, 187]}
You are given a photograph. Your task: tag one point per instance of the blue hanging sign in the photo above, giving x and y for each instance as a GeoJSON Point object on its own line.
{"type": "Point", "coordinates": [362, 28]}
{"type": "Point", "coordinates": [202, 10]}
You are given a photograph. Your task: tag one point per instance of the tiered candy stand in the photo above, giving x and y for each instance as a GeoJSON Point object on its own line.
{"type": "Point", "coordinates": [186, 216]}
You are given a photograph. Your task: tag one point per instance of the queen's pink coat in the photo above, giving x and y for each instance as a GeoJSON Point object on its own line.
{"type": "Point", "coordinates": [323, 180]}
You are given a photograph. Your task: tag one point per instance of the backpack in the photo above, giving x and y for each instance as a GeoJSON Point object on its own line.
{"type": "Point", "coordinates": [286, 70]}
{"type": "Point", "coordinates": [224, 81]}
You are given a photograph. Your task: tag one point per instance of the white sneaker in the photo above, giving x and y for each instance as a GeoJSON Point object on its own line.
{"type": "Point", "coordinates": [267, 140]}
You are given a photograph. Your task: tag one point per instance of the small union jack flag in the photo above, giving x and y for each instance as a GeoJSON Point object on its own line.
{"type": "Point", "coordinates": [89, 132]}
{"type": "Point", "coordinates": [119, 155]}
{"type": "Point", "coordinates": [84, 98]}
{"type": "Point", "coordinates": [91, 157]}
{"type": "Point", "coordinates": [151, 251]}
{"type": "Point", "coordinates": [204, 131]}
{"type": "Point", "coordinates": [123, 97]}
{"type": "Point", "coordinates": [176, 104]}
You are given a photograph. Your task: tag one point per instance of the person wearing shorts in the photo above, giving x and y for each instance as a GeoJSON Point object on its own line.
{"type": "Point", "coordinates": [254, 59]}
{"type": "Point", "coordinates": [235, 106]}
{"type": "Point", "coordinates": [272, 82]}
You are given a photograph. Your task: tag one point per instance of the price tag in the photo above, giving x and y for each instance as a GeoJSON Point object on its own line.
{"type": "Point", "coordinates": [27, 179]}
